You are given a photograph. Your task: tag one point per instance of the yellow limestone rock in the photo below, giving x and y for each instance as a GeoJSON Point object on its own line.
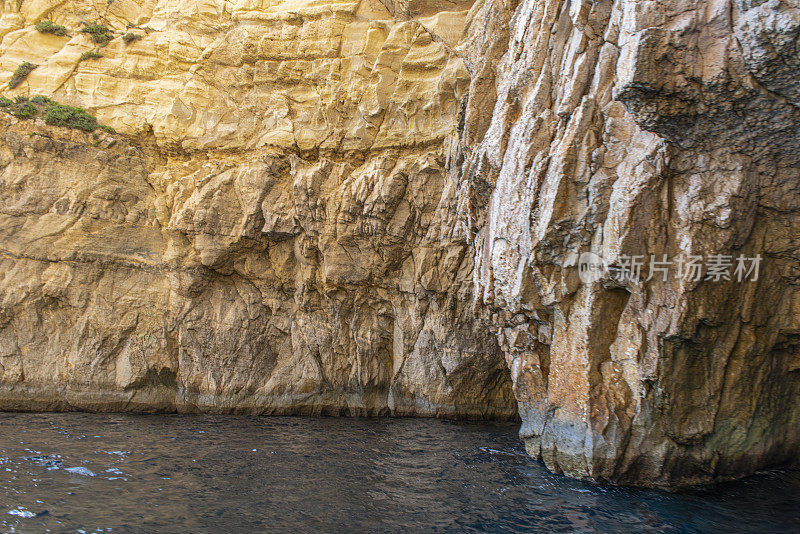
{"type": "Point", "coordinates": [267, 236]}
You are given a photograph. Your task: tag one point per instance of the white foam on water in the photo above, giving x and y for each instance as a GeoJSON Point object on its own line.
{"type": "Point", "coordinates": [80, 471]}
{"type": "Point", "coordinates": [27, 514]}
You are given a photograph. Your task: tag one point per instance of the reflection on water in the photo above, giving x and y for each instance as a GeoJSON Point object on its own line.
{"type": "Point", "coordinates": [127, 473]}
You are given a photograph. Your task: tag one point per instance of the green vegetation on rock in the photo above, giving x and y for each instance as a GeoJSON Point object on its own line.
{"type": "Point", "coordinates": [91, 54]}
{"type": "Point", "coordinates": [20, 107]}
{"type": "Point", "coordinates": [20, 74]}
{"type": "Point", "coordinates": [52, 112]}
{"type": "Point", "coordinates": [131, 37]}
{"type": "Point", "coordinates": [98, 33]}
{"type": "Point", "coordinates": [70, 117]}
{"type": "Point", "coordinates": [46, 26]}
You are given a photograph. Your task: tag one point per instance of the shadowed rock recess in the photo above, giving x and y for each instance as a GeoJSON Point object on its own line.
{"type": "Point", "coordinates": [374, 207]}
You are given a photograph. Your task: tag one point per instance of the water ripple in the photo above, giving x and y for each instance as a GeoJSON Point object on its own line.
{"type": "Point", "coordinates": [124, 473]}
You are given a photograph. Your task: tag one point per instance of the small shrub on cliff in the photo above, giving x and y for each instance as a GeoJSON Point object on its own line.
{"type": "Point", "coordinates": [52, 112]}
{"type": "Point", "coordinates": [46, 26]}
{"type": "Point", "coordinates": [40, 100]}
{"type": "Point", "coordinates": [91, 54]}
{"type": "Point", "coordinates": [24, 111]}
{"type": "Point", "coordinates": [20, 107]}
{"type": "Point", "coordinates": [131, 37]}
{"type": "Point", "coordinates": [20, 74]}
{"type": "Point", "coordinates": [98, 33]}
{"type": "Point", "coordinates": [70, 117]}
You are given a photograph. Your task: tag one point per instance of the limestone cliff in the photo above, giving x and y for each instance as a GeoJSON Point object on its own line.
{"type": "Point", "coordinates": [271, 232]}
{"type": "Point", "coordinates": [376, 207]}
{"type": "Point", "coordinates": [639, 128]}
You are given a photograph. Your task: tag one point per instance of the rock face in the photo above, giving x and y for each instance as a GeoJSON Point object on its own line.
{"type": "Point", "coordinates": [641, 128]}
{"type": "Point", "coordinates": [376, 208]}
{"type": "Point", "coordinates": [276, 234]}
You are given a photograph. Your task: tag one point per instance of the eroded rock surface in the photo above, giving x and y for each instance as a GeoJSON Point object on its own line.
{"type": "Point", "coordinates": [642, 128]}
{"type": "Point", "coordinates": [276, 234]}
{"type": "Point", "coordinates": [376, 207]}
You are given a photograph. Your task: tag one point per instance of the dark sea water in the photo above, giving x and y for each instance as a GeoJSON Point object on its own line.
{"type": "Point", "coordinates": [127, 473]}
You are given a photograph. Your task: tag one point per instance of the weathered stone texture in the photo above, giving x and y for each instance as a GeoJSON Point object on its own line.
{"type": "Point", "coordinates": [639, 128]}
{"type": "Point", "coordinates": [276, 234]}
{"type": "Point", "coordinates": [376, 207]}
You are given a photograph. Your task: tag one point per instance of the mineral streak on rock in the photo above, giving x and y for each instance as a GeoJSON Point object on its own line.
{"type": "Point", "coordinates": [373, 207]}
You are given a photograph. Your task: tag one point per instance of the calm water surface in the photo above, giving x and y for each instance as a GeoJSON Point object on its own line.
{"type": "Point", "coordinates": [125, 473]}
